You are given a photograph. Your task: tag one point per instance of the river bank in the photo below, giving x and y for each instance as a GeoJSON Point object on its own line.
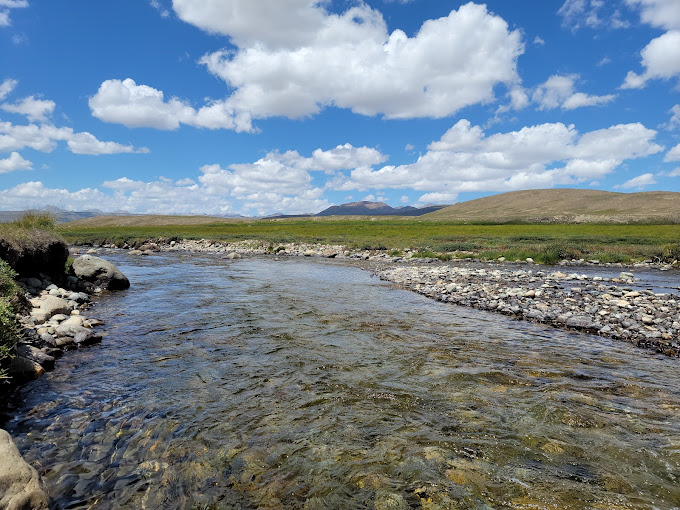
{"type": "Point", "coordinates": [562, 296]}
{"type": "Point", "coordinates": [51, 320]}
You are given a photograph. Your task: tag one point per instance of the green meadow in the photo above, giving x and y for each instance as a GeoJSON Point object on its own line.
{"type": "Point", "coordinates": [545, 243]}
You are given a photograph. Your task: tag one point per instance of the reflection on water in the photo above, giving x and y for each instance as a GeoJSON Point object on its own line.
{"type": "Point", "coordinates": [265, 384]}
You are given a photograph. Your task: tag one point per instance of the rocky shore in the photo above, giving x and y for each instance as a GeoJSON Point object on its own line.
{"type": "Point", "coordinates": [603, 306]}
{"type": "Point", "coordinates": [54, 322]}
{"type": "Point", "coordinates": [560, 296]}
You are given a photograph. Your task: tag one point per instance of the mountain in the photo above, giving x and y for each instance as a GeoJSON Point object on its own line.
{"type": "Point", "coordinates": [376, 209]}
{"type": "Point", "coordinates": [60, 215]}
{"type": "Point", "coordinates": [566, 206]}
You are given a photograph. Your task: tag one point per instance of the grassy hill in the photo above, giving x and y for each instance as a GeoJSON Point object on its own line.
{"type": "Point", "coordinates": [566, 206]}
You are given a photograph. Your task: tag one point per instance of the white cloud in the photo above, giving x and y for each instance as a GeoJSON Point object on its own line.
{"type": "Point", "coordinates": [285, 173]}
{"type": "Point", "coordinates": [368, 198]}
{"type": "Point", "coordinates": [125, 102]}
{"type": "Point", "coordinates": [661, 57]}
{"type": "Point", "coordinates": [673, 154]}
{"type": "Point", "coordinates": [542, 156]}
{"type": "Point", "coordinates": [273, 23]}
{"type": "Point", "coordinates": [658, 13]}
{"type": "Point", "coordinates": [674, 173]}
{"type": "Point", "coordinates": [674, 121]}
{"type": "Point", "coordinates": [538, 41]}
{"type": "Point", "coordinates": [6, 87]}
{"type": "Point", "coordinates": [36, 110]}
{"type": "Point", "coordinates": [438, 198]}
{"type": "Point", "coordinates": [593, 14]}
{"type": "Point", "coordinates": [6, 5]}
{"type": "Point", "coordinates": [87, 143]}
{"type": "Point", "coordinates": [297, 68]}
{"type": "Point", "coordinates": [558, 91]}
{"type": "Point", "coordinates": [44, 138]}
{"type": "Point", "coordinates": [159, 7]}
{"type": "Point", "coordinates": [14, 162]}
{"type": "Point", "coordinates": [576, 13]}
{"type": "Point", "coordinates": [638, 182]}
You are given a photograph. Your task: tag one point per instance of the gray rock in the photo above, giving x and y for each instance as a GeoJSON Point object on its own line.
{"type": "Point", "coordinates": [87, 338]}
{"type": "Point", "coordinates": [100, 272]}
{"type": "Point", "coordinates": [20, 485]}
{"type": "Point", "coordinates": [34, 282]}
{"type": "Point", "coordinates": [24, 368]}
{"type": "Point", "coordinates": [35, 354]}
{"type": "Point", "coordinates": [582, 322]}
{"type": "Point", "coordinates": [53, 305]}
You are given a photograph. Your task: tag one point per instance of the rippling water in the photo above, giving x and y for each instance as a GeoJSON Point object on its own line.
{"type": "Point", "coordinates": [298, 384]}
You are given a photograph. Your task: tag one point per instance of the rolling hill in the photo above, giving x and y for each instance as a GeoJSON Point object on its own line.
{"type": "Point", "coordinates": [566, 206]}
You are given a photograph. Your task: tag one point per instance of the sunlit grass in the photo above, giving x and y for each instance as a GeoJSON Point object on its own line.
{"type": "Point", "coordinates": [547, 243]}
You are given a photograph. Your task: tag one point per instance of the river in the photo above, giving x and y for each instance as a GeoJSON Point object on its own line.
{"type": "Point", "coordinates": [295, 383]}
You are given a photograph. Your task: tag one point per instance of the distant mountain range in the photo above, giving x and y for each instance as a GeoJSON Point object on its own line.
{"type": "Point", "coordinates": [60, 215]}
{"type": "Point", "coordinates": [377, 209]}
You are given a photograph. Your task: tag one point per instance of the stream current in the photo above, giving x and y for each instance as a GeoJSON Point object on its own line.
{"type": "Point", "coordinates": [295, 383]}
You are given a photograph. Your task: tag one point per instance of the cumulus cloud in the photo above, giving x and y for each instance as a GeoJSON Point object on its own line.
{"type": "Point", "coordinates": [36, 110]}
{"type": "Point", "coordinates": [285, 173]}
{"type": "Point", "coordinates": [6, 87]}
{"type": "Point", "coordinates": [125, 102]}
{"type": "Point", "coordinates": [558, 91]}
{"type": "Point", "coordinates": [674, 122]}
{"type": "Point", "coordinates": [673, 154]}
{"type": "Point", "coordinates": [44, 138]}
{"type": "Point", "coordinates": [639, 182]}
{"type": "Point", "coordinates": [438, 198]}
{"type": "Point", "coordinates": [661, 57]}
{"type": "Point", "coordinates": [658, 13]}
{"type": "Point", "coordinates": [294, 59]}
{"type": "Point", "coordinates": [14, 162]}
{"type": "Point", "coordinates": [542, 156]}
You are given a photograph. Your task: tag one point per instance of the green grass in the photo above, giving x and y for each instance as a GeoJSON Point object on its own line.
{"type": "Point", "coordinates": [546, 243]}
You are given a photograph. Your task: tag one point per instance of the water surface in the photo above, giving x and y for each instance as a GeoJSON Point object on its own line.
{"type": "Point", "coordinates": [257, 383]}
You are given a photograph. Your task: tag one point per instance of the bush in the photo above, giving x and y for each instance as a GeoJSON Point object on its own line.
{"type": "Point", "coordinates": [32, 220]}
{"type": "Point", "coordinates": [670, 252]}
{"type": "Point", "coordinates": [9, 326]}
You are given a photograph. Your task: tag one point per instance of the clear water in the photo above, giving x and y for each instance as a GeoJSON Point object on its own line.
{"type": "Point", "coordinates": [257, 383]}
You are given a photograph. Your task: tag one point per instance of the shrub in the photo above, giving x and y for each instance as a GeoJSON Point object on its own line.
{"type": "Point", "coordinates": [670, 252]}
{"type": "Point", "coordinates": [31, 220]}
{"type": "Point", "coordinates": [9, 326]}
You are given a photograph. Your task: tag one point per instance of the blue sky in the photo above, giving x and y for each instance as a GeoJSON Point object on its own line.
{"type": "Point", "coordinates": [256, 107]}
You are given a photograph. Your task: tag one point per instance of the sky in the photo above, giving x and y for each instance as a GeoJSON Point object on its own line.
{"type": "Point", "coordinates": [258, 107]}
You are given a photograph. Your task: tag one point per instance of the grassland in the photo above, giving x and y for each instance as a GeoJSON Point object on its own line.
{"type": "Point", "coordinates": [546, 243]}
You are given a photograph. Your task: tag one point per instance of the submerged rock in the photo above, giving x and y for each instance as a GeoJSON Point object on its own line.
{"type": "Point", "coordinates": [100, 272]}
{"type": "Point", "coordinates": [20, 485]}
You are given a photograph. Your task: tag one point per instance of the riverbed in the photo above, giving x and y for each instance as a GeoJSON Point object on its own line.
{"type": "Point", "coordinates": [304, 383]}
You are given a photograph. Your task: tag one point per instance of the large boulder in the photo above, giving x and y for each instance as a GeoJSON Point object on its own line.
{"type": "Point", "coordinates": [20, 485]}
{"type": "Point", "coordinates": [100, 272]}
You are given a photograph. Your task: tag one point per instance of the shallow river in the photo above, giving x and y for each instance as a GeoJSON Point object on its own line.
{"type": "Point", "coordinates": [300, 384]}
